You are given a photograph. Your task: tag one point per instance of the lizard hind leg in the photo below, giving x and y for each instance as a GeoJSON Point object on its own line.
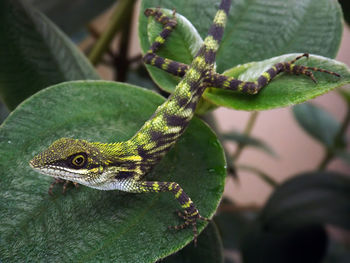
{"type": "Point", "coordinates": [190, 220]}
{"type": "Point", "coordinates": [169, 23]}
{"type": "Point", "coordinates": [151, 58]}
{"type": "Point", "coordinates": [253, 87]}
{"type": "Point", "coordinates": [292, 68]}
{"type": "Point", "coordinates": [190, 214]}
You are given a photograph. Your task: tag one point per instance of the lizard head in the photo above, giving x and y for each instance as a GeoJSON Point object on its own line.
{"type": "Point", "coordinates": [74, 160]}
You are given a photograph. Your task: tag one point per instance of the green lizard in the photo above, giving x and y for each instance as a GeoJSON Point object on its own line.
{"type": "Point", "coordinates": [122, 165]}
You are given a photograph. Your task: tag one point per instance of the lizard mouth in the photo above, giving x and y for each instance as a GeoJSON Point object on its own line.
{"type": "Point", "coordinates": [33, 164]}
{"type": "Point", "coordinates": [56, 171]}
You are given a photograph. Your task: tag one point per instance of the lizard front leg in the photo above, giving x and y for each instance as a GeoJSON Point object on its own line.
{"type": "Point", "coordinates": [64, 187]}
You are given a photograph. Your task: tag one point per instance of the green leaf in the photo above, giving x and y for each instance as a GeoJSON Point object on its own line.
{"type": "Point", "coordinates": [233, 224]}
{"type": "Point", "coordinates": [209, 249]}
{"type": "Point", "coordinates": [345, 156]}
{"type": "Point", "coordinates": [89, 225]}
{"type": "Point", "coordinates": [317, 122]}
{"type": "Point", "coordinates": [312, 26]}
{"type": "Point", "coordinates": [184, 44]}
{"type": "Point", "coordinates": [285, 90]}
{"type": "Point", "coordinates": [310, 198]}
{"type": "Point", "coordinates": [34, 53]}
{"type": "Point", "coordinates": [281, 27]}
{"type": "Point", "coordinates": [248, 141]}
{"type": "Point", "coordinates": [345, 93]}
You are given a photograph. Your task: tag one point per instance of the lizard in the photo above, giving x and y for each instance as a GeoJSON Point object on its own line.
{"type": "Point", "coordinates": [123, 165]}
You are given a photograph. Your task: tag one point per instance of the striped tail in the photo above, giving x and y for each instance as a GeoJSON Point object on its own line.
{"type": "Point", "coordinates": [216, 31]}
{"type": "Point", "coordinates": [170, 120]}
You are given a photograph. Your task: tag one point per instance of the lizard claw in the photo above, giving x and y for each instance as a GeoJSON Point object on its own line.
{"type": "Point", "coordinates": [189, 220]}
{"type": "Point", "coordinates": [65, 183]}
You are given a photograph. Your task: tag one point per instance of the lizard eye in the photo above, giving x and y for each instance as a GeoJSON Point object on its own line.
{"type": "Point", "coordinates": [79, 160]}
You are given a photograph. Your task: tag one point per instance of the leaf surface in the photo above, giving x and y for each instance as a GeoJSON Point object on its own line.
{"type": "Point", "coordinates": [256, 31]}
{"type": "Point", "coordinates": [317, 122]}
{"type": "Point", "coordinates": [285, 90]}
{"type": "Point", "coordinates": [208, 250]}
{"type": "Point", "coordinates": [89, 225]}
{"type": "Point", "coordinates": [310, 198]}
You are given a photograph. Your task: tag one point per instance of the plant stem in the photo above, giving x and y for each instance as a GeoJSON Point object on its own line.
{"type": "Point", "coordinates": [121, 62]}
{"type": "Point", "coordinates": [326, 159]}
{"type": "Point", "coordinates": [117, 22]}
{"type": "Point", "coordinates": [247, 131]}
{"type": "Point", "coordinates": [337, 142]}
{"type": "Point", "coordinates": [263, 176]}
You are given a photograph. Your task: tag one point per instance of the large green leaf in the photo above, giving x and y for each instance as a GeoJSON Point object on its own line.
{"type": "Point", "coordinates": [310, 198]}
{"type": "Point", "coordinates": [34, 53]}
{"type": "Point", "coordinates": [88, 225]}
{"type": "Point", "coordinates": [256, 30]}
{"type": "Point", "coordinates": [317, 122]}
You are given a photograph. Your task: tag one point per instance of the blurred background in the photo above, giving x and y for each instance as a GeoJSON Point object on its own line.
{"type": "Point", "coordinates": [296, 151]}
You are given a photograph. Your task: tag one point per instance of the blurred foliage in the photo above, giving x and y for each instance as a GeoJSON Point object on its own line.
{"type": "Point", "coordinates": [36, 56]}
{"type": "Point", "coordinates": [345, 4]}
{"type": "Point", "coordinates": [72, 17]}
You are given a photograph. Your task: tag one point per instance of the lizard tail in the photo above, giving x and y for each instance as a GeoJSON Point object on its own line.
{"type": "Point", "coordinates": [216, 31]}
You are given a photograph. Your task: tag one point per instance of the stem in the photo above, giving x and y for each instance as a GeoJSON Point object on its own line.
{"type": "Point", "coordinates": [117, 22]}
{"type": "Point", "coordinates": [121, 62]}
{"type": "Point", "coordinates": [247, 131]}
{"type": "Point", "coordinates": [265, 177]}
{"type": "Point", "coordinates": [326, 159]}
{"type": "Point", "coordinates": [96, 35]}
{"type": "Point", "coordinates": [337, 142]}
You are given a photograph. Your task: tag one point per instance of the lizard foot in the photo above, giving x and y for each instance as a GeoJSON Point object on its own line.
{"type": "Point", "coordinates": [65, 183]}
{"type": "Point", "coordinates": [189, 220]}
